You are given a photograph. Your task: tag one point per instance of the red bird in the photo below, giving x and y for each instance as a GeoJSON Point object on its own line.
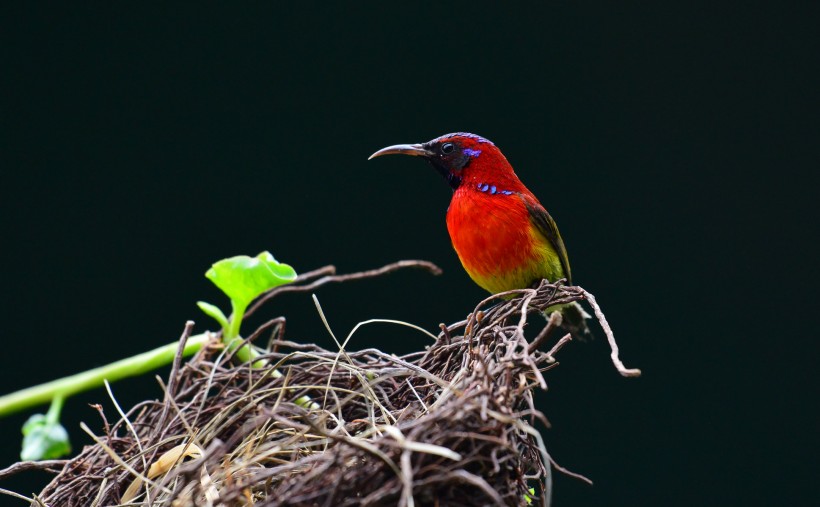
{"type": "Point", "coordinates": [503, 236]}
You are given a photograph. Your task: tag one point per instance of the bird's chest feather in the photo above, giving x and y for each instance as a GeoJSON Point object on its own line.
{"type": "Point", "coordinates": [494, 238]}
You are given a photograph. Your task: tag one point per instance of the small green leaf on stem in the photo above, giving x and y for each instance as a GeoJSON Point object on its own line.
{"type": "Point", "coordinates": [213, 311]}
{"type": "Point", "coordinates": [244, 278]}
{"type": "Point", "coordinates": [528, 498]}
{"type": "Point", "coordinates": [43, 435]}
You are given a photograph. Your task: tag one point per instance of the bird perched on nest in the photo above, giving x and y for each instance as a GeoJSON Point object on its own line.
{"type": "Point", "coordinates": [502, 234]}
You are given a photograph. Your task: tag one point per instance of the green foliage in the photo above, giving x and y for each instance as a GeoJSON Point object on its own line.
{"type": "Point", "coordinates": [243, 279]}
{"type": "Point", "coordinates": [213, 311]}
{"type": "Point", "coordinates": [44, 437]}
{"type": "Point", "coordinates": [528, 498]}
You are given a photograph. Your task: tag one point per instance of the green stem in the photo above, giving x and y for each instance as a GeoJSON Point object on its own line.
{"type": "Point", "coordinates": [236, 320]}
{"type": "Point", "coordinates": [53, 415]}
{"type": "Point", "coordinates": [231, 338]}
{"type": "Point", "coordinates": [68, 386]}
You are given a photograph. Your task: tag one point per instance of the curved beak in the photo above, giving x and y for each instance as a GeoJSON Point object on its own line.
{"type": "Point", "coordinates": [402, 149]}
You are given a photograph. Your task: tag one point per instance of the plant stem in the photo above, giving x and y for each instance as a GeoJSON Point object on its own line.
{"type": "Point", "coordinates": [73, 384]}
{"type": "Point", "coordinates": [53, 415]}
{"type": "Point", "coordinates": [231, 338]}
{"type": "Point", "coordinates": [236, 320]}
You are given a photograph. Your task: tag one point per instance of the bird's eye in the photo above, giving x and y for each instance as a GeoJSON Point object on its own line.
{"type": "Point", "coordinates": [447, 148]}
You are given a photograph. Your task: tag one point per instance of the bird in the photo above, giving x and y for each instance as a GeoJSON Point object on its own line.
{"type": "Point", "coordinates": [502, 234]}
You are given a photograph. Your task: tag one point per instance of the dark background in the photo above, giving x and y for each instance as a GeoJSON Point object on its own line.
{"type": "Point", "coordinates": [675, 145]}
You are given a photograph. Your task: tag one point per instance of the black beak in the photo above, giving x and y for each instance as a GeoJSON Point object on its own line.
{"type": "Point", "coordinates": [416, 150]}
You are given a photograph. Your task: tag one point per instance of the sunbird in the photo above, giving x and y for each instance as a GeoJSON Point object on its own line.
{"type": "Point", "coordinates": [503, 236]}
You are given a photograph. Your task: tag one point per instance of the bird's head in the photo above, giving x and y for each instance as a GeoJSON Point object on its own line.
{"type": "Point", "coordinates": [459, 157]}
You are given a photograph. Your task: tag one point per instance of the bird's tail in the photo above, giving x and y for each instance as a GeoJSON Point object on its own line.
{"type": "Point", "coordinates": [574, 320]}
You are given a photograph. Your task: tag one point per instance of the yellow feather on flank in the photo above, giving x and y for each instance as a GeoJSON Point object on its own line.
{"type": "Point", "coordinates": [543, 262]}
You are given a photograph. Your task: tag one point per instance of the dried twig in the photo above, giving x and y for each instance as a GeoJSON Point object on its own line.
{"type": "Point", "coordinates": [610, 336]}
{"type": "Point", "coordinates": [331, 277]}
{"type": "Point", "coordinates": [50, 465]}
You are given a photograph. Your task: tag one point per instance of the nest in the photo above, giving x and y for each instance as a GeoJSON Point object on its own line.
{"type": "Point", "coordinates": [454, 424]}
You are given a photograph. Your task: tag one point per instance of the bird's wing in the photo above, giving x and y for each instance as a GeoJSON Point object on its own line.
{"type": "Point", "coordinates": [546, 225]}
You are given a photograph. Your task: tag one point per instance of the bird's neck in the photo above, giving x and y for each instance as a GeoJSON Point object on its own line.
{"type": "Point", "coordinates": [492, 180]}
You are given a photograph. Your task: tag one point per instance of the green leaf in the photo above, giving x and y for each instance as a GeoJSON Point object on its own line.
{"type": "Point", "coordinates": [44, 439]}
{"type": "Point", "coordinates": [528, 498]}
{"type": "Point", "coordinates": [244, 278]}
{"type": "Point", "coordinates": [213, 311]}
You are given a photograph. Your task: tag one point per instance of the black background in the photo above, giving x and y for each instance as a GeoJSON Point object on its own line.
{"type": "Point", "coordinates": [675, 145]}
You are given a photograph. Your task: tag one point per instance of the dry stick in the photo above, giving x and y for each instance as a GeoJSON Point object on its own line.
{"type": "Point", "coordinates": [114, 456]}
{"type": "Point", "coordinates": [623, 370]}
{"type": "Point", "coordinates": [172, 379]}
{"type": "Point", "coordinates": [264, 327]}
{"type": "Point", "coordinates": [275, 337]}
{"type": "Point", "coordinates": [294, 287]}
{"type": "Point", "coordinates": [555, 320]}
{"type": "Point", "coordinates": [479, 482]}
{"type": "Point", "coordinates": [170, 392]}
{"type": "Point", "coordinates": [316, 273]}
{"type": "Point", "coordinates": [128, 421]}
{"type": "Point", "coordinates": [570, 473]}
{"type": "Point", "coordinates": [445, 333]}
{"type": "Point", "coordinates": [564, 339]}
{"type": "Point", "coordinates": [358, 443]}
{"type": "Point", "coordinates": [106, 426]}
{"type": "Point", "coordinates": [23, 466]}
{"type": "Point", "coordinates": [100, 492]}
{"type": "Point", "coordinates": [15, 495]}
